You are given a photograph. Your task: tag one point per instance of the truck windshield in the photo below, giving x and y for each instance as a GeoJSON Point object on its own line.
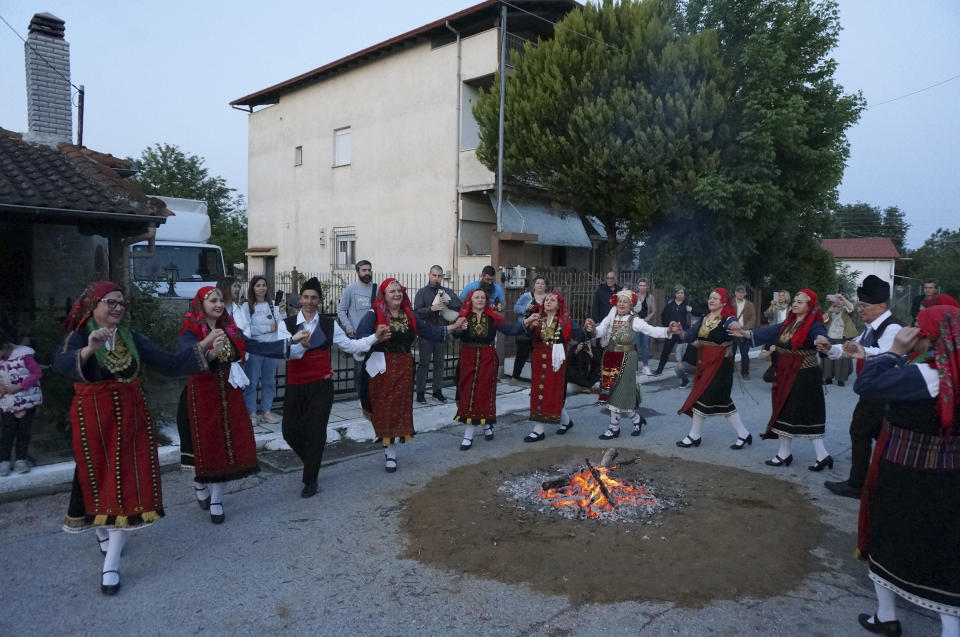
{"type": "Point", "coordinates": [183, 263]}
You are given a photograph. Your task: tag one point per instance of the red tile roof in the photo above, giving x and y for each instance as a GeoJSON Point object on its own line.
{"type": "Point", "coordinates": [873, 248]}
{"type": "Point", "coordinates": [470, 20]}
{"type": "Point", "coordinates": [68, 177]}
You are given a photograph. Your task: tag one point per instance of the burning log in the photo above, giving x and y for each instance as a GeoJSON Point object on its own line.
{"type": "Point", "coordinates": [556, 481]}
{"type": "Point", "coordinates": [609, 456]}
{"type": "Point", "coordinates": [599, 480]}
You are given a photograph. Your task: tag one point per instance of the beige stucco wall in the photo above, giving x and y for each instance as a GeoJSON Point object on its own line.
{"type": "Point", "coordinates": [400, 188]}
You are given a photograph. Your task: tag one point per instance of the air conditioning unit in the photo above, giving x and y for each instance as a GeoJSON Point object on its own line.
{"type": "Point", "coordinates": [515, 277]}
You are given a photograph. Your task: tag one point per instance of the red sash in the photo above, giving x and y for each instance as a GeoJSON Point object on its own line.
{"type": "Point", "coordinates": [709, 358]}
{"type": "Point", "coordinates": [788, 366]}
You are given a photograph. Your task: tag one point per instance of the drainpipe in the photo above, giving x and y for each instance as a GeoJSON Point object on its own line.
{"type": "Point", "coordinates": [503, 88]}
{"type": "Point", "coordinates": [456, 182]}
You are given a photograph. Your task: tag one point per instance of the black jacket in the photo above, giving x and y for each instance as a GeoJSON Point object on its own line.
{"type": "Point", "coordinates": [601, 301]}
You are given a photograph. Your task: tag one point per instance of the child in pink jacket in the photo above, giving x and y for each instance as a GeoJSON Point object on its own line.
{"type": "Point", "coordinates": [19, 397]}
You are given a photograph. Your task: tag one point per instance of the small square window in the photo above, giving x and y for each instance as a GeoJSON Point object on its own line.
{"type": "Point", "coordinates": [345, 247]}
{"type": "Point", "coordinates": [298, 156]}
{"type": "Point", "coordinates": [341, 147]}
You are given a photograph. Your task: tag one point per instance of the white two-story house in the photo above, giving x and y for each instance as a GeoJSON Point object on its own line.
{"type": "Point", "coordinates": [372, 156]}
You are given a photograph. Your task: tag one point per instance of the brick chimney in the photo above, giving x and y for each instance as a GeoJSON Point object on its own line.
{"type": "Point", "coordinates": [49, 106]}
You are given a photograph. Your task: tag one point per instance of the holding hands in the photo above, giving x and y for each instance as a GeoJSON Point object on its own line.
{"type": "Point", "coordinates": [459, 325]}
{"type": "Point", "coordinates": [736, 330]}
{"type": "Point", "coordinates": [589, 326]}
{"type": "Point", "coordinates": [300, 337]}
{"type": "Point", "coordinates": [382, 333]}
{"type": "Point", "coordinates": [905, 339]}
{"type": "Point", "coordinates": [100, 336]}
{"type": "Point", "coordinates": [822, 344]}
{"type": "Point", "coordinates": [530, 320]}
{"type": "Point", "coordinates": [854, 350]}
{"type": "Point", "coordinates": [675, 328]}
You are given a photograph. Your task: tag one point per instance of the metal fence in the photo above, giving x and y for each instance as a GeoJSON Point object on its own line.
{"type": "Point", "coordinates": [576, 286]}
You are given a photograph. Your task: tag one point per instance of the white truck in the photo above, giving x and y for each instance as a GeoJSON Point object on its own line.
{"type": "Point", "coordinates": [182, 261]}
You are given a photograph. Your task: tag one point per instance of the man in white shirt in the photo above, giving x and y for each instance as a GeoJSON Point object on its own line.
{"type": "Point", "coordinates": [309, 393]}
{"type": "Point", "coordinates": [877, 337]}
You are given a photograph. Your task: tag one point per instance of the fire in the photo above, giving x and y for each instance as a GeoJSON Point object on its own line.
{"type": "Point", "coordinates": [585, 492]}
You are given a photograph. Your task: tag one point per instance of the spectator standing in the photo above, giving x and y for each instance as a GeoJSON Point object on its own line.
{"type": "Point", "coordinates": [526, 305]}
{"type": "Point", "coordinates": [747, 318]}
{"type": "Point", "coordinates": [487, 284]}
{"type": "Point", "coordinates": [840, 329]}
{"type": "Point", "coordinates": [676, 311]}
{"type": "Point", "coordinates": [428, 305]}
{"type": "Point", "coordinates": [929, 289]}
{"type": "Point", "coordinates": [356, 301]}
{"type": "Point", "coordinates": [602, 296]}
{"type": "Point", "coordinates": [19, 397]}
{"type": "Point", "coordinates": [646, 309]}
{"type": "Point", "coordinates": [264, 323]}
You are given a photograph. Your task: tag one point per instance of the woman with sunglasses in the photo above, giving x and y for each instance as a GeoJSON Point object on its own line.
{"type": "Point", "coordinates": [116, 485]}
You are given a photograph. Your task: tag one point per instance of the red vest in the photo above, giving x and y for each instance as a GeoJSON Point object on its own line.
{"type": "Point", "coordinates": [314, 366]}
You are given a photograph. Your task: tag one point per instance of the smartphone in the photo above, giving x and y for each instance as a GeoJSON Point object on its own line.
{"type": "Point", "coordinates": [279, 298]}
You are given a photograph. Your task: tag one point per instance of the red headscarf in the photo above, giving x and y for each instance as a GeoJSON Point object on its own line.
{"type": "Point", "coordinates": [813, 314]}
{"type": "Point", "coordinates": [939, 299]}
{"type": "Point", "coordinates": [943, 323]}
{"type": "Point", "coordinates": [728, 309]}
{"type": "Point", "coordinates": [633, 297]}
{"type": "Point", "coordinates": [195, 321]}
{"type": "Point", "coordinates": [380, 305]}
{"type": "Point", "coordinates": [467, 307]}
{"type": "Point", "coordinates": [563, 317]}
{"type": "Point", "coordinates": [82, 310]}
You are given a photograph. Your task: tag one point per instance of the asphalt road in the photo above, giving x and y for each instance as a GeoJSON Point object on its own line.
{"type": "Point", "coordinates": [329, 565]}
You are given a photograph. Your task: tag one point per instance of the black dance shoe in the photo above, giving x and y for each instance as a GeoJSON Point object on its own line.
{"type": "Point", "coordinates": [534, 437]}
{"type": "Point", "coordinates": [488, 432]}
{"type": "Point", "coordinates": [466, 444]}
{"type": "Point", "coordinates": [826, 462]}
{"type": "Point", "coordinates": [610, 434]}
{"type": "Point", "coordinates": [638, 423]}
{"type": "Point", "coordinates": [564, 428]}
{"type": "Point", "coordinates": [309, 489]}
{"type": "Point", "coordinates": [692, 443]}
{"type": "Point", "coordinates": [103, 544]}
{"type": "Point", "coordinates": [741, 442]}
{"type": "Point", "coordinates": [889, 629]}
{"type": "Point", "coordinates": [842, 487]}
{"type": "Point", "coordinates": [217, 518]}
{"type": "Point", "coordinates": [778, 461]}
{"type": "Point", "coordinates": [111, 589]}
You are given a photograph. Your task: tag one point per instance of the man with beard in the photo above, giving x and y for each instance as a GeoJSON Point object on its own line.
{"type": "Point", "coordinates": [428, 307]}
{"type": "Point", "coordinates": [357, 300]}
{"type": "Point", "coordinates": [486, 283]}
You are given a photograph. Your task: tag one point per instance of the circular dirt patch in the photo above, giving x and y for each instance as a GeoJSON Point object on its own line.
{"type": "Point", "coordinates": [734, 534]}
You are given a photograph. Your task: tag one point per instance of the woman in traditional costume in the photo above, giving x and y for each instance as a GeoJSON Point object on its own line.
{"type": "Point", "coordinates": [387, 391]}
{"type": "Point", "coordinates": [477, 373]}
{"type": "Point", "coordinates": [911, 501]}
{"type": "Point", "coordinates": [713, 375]}
{"type": "Point", "coordinates": [618, 381]}
{"type": "Point", "coordinates": [798, 408]}
{"type": "Point", "coordinates": [116, 485]}
{"type": "Point", "coordinates": [216, 434]}
{"type": "Point", "coordinates": [551, 334]}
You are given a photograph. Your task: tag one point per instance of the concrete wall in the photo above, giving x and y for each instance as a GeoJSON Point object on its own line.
{"type": "Point", "coordinates": [399, 190]}
{"type": "Point", "coordinates": [882, 268]}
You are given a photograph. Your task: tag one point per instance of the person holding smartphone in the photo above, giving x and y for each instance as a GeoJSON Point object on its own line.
{"type": "Point", "coordinates": [264, 319]}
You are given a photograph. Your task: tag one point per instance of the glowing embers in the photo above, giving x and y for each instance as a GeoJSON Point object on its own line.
{"type": "Point", "coordinates": [587, 492]}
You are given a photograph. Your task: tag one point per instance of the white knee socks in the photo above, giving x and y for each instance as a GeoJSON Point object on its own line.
{"type": "Point", "coordinates": [784, 447]}
{"type": "Point", "coordinates": [950, 626]}
{"type": "Point", "coordinates": [390, 451]}
{"type": "Point", "coordinates": [564, 417]}
{"type": "Point", "coordinates": [820, 449]}
{"type": "Point", "coordinates": [696, 427]}
{"type": "Point", "coordinates": [538, 428]}
{"type": "Point", "coordinates": [737, 424]}
{"type": "Point", "coordinates": [217, 490]}
{"type": "Point", "coordinates": [112, 560]}
{"type": "Point", "coordinates": [886, 603]}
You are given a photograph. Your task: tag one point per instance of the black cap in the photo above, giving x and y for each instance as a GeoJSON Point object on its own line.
{"type": "Point", "coordinates": [874, 290]}
{"type": "Point", "coordinates": [312, 284]}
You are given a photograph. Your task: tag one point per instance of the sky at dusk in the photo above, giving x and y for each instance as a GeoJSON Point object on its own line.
{"type": "Point", "coordinates": [165, 72]}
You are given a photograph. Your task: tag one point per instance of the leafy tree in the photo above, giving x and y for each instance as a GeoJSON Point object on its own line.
{"type": "Point", "coordinates": [939, 259]}
{"type": "Point", "coordinates": [166, 170]}
{"type": "Point", "coordinates": [788, 119]}
{"type": "Point", "coordinates": [621, 124]}
{"type": "Point", "coordinates": [862, 220]}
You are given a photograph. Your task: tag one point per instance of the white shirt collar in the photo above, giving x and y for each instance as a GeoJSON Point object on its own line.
{"type": "Point", "coordinates": [302, 320]}
{"type": "Point", "coordinates": [880, 319]}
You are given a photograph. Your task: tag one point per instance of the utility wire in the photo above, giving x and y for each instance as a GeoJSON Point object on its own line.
{"type": "Point", "coordinates": [52, 67]}
{"type": "Point", "coordinates": [926, 88]}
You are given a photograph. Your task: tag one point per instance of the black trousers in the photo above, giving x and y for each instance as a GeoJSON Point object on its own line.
{"type": "Point", "coordinates": [864, 429]}
{"type": "Point", "coordinates": [431, 355]}
{"type": "Point", "coordinates": [306, 411]}
{"type": "Point", "coordinates": [743, 346]}
{"type": "Point", "coordinates": [524, 347]}
{"type": "Point", "coordinates": [15, 430]}
{"type": "Point", "coordinates": [667, 348]}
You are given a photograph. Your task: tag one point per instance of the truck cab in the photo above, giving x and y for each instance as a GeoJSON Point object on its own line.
{"type": "Point", "coordinates": [181, 261]}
